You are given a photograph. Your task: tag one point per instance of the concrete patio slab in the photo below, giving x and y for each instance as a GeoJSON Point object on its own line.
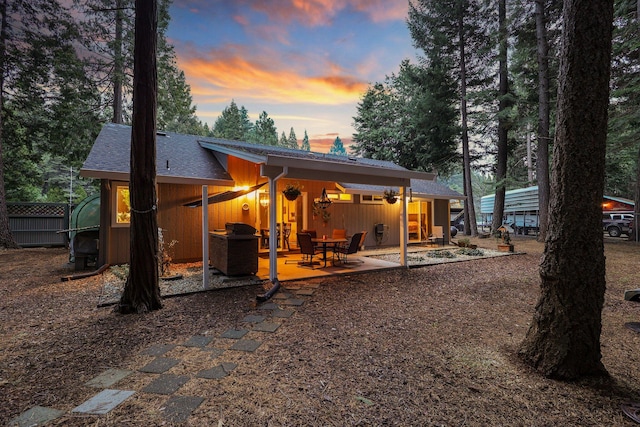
{"type": "Point", "coordinates": [293, 301]}
{"type": "Point", "coordinates": [103, 402]}
{"type": "Point", "coordinates": [253, 318]}
{"type": "Point", "coordinates": [217, 372]}
{"type": "Point", "coordinates": [179, 408]}
{"type": "Point", "coordinates": [246, 345]}
{"type": "Point", "coordinates": [159, 365]}
{"type": "Point", "coordinates": [283, 313]}
{"type": "Point", "coordinates": [166, 384]}
{"type": "Point", "coordinates": [158, 349]}
{"type": "Point", "coordinates": [36, 416]}
{"type": "Point", "coordinates": [198, 341]}
{"type": "Point", "coordinates": [108, 378]}
{"type": "Point", "coordinates": [266, 327]}
{"type": "Point", "coordinates": [234, 333]}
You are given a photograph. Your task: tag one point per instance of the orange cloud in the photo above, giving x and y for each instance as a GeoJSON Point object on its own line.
{"type": "Point", "coordinates": [321, 12]}
{"type": "Point", "coordinates": [225, 73]}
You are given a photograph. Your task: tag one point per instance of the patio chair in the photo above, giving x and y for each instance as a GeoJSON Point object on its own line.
{"type": "Point", "coordinates": [342, 252]}
{"type": "Point", "coordinates": [362, 239]}
{"type": "Point", "coordinates": [307, 249]}
{"type": "Point", "coordinates": [285, 235]}
{"type": "Point", "coordinates": [437, 236]}
{"type": "Point", "coordinates": [339, 233]}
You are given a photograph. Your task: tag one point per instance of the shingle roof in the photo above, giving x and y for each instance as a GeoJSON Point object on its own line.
{"type": "Point", "coordinates": [179, 158]}
{"type": "Point", "coordinates": [190, 159]}
{"type": "Point", "coordinates": [419, 188]}
{"type": "Point", "coordinates": [266, 150]}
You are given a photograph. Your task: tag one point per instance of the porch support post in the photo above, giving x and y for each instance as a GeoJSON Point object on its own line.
{"type": "Point", "coordinates": [273, 227]}
{"type": "Point", "coordinates": [273, 231]}
{"type": "Point", "coordinates": [205, 237]}
{"type": "Point", "coordinates": [404, 234]}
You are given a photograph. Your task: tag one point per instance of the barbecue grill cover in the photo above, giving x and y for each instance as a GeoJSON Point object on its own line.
{"type": "Point", "coordinates": [239, 228]}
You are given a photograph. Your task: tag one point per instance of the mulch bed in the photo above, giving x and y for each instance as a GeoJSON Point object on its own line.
{"type": "Point", "coordinates": [435, 345]}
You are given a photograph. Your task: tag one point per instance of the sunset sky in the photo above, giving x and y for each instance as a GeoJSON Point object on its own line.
{"type": "Point", "coordinates": [307, 63]}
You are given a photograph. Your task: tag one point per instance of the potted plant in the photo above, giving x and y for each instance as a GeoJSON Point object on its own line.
{"type": "Point", "coordinates": [466, 243]}
{"type": "Point", "coordinates": [390, 196]}
{"type": "Point", "coordinates": [504, 245]}
{"type": "Point", "coordinates": [291, 191]}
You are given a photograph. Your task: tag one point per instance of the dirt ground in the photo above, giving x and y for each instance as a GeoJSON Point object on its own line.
{"type": "Point", "coordinates": [435, 345]}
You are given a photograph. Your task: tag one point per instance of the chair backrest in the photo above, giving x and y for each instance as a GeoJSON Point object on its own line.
{"type": "Point", "coordinates": [364, 236]}
{"type": "Point", "coordinates": [287, 229]}
{"type": "Point", "coordinates": [305, 243]}
{"type": "Point", "coordinates": [437, 231]}
{"type": "Point", "coordinates": [339, 233]}
{"type": "Point", "coordinates": [355, 243]}
{"type": "Point", "coordinates": [312, 232]}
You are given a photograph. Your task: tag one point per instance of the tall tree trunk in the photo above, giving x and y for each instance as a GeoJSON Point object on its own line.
{"type": "Point", "coordinates": [118, 62]}
{"type": "Point", "coordinates": [636, 209]}
{"type": "Point", "coordinates": [470, 224]}
{"type": "Point", "coordinates": [542, 164]}
{"type": "Point", "coordinates": [142, 291]}
{"type": "Point", "coordinates": [564, 338]}
{"type": "Point", "coordinates": [503, 127]}
{"type": "Point", "coordinates": [6, 238]}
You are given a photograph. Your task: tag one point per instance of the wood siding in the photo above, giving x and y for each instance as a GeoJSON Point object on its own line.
{"type": "Point", "coordinates": [184, 224]}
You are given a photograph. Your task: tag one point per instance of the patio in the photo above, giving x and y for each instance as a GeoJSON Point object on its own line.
{"type": "Point", "coordinates": [369, 260]}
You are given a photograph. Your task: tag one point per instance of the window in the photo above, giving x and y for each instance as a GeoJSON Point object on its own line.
{"type": "Point", "coordinates": [371, 198]}
{"type": "Point", "coordinates": [340, 197]}
{"type": "Point", "coordinates": [122, 206]}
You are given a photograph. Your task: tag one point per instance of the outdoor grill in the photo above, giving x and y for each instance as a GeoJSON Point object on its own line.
{"type": "Point", "coordinates": [234, 252]}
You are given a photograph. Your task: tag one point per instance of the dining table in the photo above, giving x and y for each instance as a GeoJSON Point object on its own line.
{"type": "Point", "coordinates": [326, 241]}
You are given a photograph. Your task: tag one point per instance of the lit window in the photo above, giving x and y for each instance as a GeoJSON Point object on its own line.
{"type": "Point", "coordinates": [123, 205]}
{"type": "Point", "coordinates": [340, 197]}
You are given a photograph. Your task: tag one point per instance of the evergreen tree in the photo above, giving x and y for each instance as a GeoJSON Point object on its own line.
{"type": "Point", "coordinates": [142, 291]}
{"type": "Point", "coordinates": [46, 102]}
{"type": "Point", "coordinates": [108, 27]}
{"type": "Point", "coordinates": [233, 124]}
{"type": "Point", "coordinates": [305, 146]}
{"type": "Point", "coordinates": [292, 140]}
{"type": "Point", "coordinates": [411, 119]}
{"type": "Point", "coordinates": [338, 148]}
{"type": "Point", "coordinates": [284, 142]}
{"type": "Point", "coordinates": [454, 29]}
{"type": "Point", "coordinates": [264, 131]}
{"type": "Point", "coordinates": [563, 340]}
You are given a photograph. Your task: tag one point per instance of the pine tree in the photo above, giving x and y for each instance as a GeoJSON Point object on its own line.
{"type": "Point", "coordinates": [283, 142]}
{"type": "Point", "coordinates": [37, 41]}
{"type": "Point", "coordinates": [264, 131]}
{"type": "Point", "coordinates": [292, 141]}
{"type": "Point", "coordinates": [233, 123]}
{"type": "Point", "coordinates": [305, 142]}
{"type": "Point", "coordinates": [142, 291]}
{"type": "Point", "coordinates": [563, 340]}
{"type": "Point", "coordinates": [337, 148]}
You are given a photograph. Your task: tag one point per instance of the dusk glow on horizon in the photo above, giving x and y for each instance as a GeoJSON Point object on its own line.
{"type": "Point", "coordinates": [307, 63]}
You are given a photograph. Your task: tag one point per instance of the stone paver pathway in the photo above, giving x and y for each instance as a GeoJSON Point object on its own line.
{"type": "Point", "coordinates": [177, 409]}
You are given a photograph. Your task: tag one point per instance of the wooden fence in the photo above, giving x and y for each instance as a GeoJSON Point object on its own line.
{"type": "Point", "coordinates": [37, 224]}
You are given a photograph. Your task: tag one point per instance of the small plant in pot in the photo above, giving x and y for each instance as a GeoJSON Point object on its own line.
{"type": "Point", "coordinates": [291, 191]}
{"type": "Point", "coordinates": [504, 243]}
{"type": "Point", "coordinates": [390, 196]}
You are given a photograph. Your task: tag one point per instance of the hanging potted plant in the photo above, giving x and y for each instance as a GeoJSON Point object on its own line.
{"type": "Point", "coordinates": [390, 196]}
{"type": "Point", "coordinates": [291, 191]}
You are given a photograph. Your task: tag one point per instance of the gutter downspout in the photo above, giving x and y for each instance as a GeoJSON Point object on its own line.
{"type": "Point", "coordinates": [404, 232]}
{"type": "Point", "coordinates": [273, 236]}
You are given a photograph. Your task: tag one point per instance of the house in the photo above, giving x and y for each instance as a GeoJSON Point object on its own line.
{"type": "Point", "coordinates": [242, 183]}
